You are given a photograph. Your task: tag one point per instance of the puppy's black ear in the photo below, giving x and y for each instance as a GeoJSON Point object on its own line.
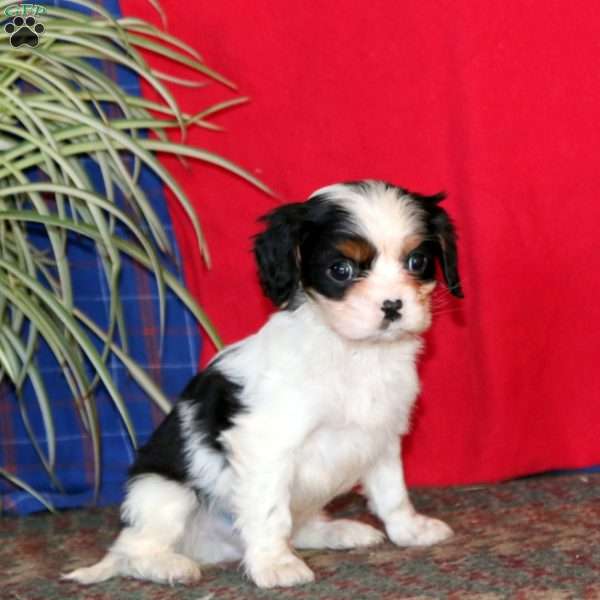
{"type": "Point", "coordinates": [277, 254]}
{"type": "Point", "coordinates": [442, 231]}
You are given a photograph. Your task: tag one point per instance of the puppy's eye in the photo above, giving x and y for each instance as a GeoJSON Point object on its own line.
{"type": "Point", "coordinates": [342, 270]}
{"type": "Point", "coordinates": [417, 263]}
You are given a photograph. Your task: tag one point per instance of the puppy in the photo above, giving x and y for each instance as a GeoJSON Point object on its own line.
{"type": "Point", "coordinates": [314, 403]}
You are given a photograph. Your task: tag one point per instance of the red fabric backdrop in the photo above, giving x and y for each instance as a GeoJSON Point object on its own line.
{"type": "Point", "coordinates": [498, 103]}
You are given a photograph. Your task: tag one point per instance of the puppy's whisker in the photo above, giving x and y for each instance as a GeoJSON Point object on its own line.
{"type": "Point", "coordinates": [437, 313]}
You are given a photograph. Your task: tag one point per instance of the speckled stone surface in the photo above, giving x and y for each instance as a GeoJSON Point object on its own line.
{"type": "Point", "coordinates": [531, 539]}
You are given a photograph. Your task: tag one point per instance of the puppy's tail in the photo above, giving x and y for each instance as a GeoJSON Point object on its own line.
{"type": "Point", "coordinates": [108, 567]}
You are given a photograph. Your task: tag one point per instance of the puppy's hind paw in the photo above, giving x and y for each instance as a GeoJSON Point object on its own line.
{"type": "Point", "coordinates": [284, 571]}
{"type": "Point", "coordinates": [101, 571]}
{"type": "Point", "coordinates": [84, 576]}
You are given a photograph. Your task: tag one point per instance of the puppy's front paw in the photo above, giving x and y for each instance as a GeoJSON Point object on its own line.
{"type": "Point", "coordinates": [283, 571]}
{"type": "Point", "coordinates": [417, 530]}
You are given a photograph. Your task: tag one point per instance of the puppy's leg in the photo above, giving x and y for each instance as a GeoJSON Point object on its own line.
{"type": "Point", "coordinates": [156, 511]}
{"type": "Point", "coordinates": [388, 498]}
{"type": "Point", "coordinates": [262, 507]}
{"type": "Point", "coordinates": [321, 532]}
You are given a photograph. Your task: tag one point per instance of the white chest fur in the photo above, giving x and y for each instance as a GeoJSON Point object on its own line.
{"type": "Point", "coordinates": [329, 406]}
{"type": "Point", "coordinates": [368, 405]}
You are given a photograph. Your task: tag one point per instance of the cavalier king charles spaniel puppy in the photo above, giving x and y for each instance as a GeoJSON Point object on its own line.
{"type": "Point", "coordinates": [311, 405]}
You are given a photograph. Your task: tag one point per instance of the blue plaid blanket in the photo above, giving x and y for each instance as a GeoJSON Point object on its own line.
{"type": "Point", "coordinates": [171, 370]}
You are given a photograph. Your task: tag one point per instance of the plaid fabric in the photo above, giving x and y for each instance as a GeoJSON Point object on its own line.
{"type": "Point", "coordinates": [179, 360]}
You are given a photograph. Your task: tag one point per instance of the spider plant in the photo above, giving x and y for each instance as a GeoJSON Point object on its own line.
{"type": "Point", "coordinates": [58, 109]}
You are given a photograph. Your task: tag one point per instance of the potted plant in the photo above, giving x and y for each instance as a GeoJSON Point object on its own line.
{"type": "Point", "coordinates": [74, 147]}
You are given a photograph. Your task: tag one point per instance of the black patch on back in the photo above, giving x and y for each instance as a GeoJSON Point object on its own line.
{"type": "Point", "coordinates": [163, 453]}
{"type": "Point", "coordinates": [215, 400]}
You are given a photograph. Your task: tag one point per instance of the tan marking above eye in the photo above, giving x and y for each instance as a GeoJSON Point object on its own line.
{"type": "Point", "coordinates": [410, 243]}
{"type": "Point", "coordinates": [359, 250]}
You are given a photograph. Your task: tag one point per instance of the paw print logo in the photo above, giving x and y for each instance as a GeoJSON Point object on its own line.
{"type": "Point", "coordinates": [24, 31]}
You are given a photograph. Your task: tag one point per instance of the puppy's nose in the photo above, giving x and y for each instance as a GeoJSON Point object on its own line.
{"type": "Point", "coordinates": [391, 309]}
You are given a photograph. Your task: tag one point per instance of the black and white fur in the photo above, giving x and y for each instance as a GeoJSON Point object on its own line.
{"type": "Point", "coordinates": [311, 405]}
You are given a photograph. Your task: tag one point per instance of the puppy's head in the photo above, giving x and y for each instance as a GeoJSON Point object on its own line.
{"type": "Point", "coordinates": [364, 253]}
